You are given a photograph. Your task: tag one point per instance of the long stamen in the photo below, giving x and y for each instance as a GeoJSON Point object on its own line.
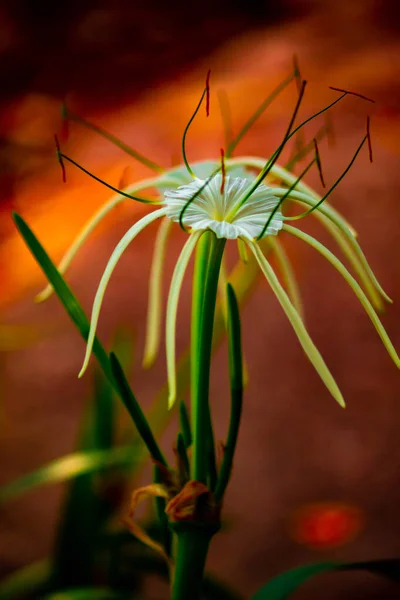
{"type": "Point", "coordinates": [273, 159]}
{"type": "Point", "coordinates": [353, 284]}
{"type": "Point", "coordinates": [172, 309]}
{"type": "Point", "coordinates": [288, 275]}
{"type": "Point", "coordinates": [153, 328]}
{"type": "Point", "coordinates": [108, 185]}
{"type": "Point", "coordinates": [113, 139]}
{"type": "Point", "coordinates": [185, 132]}
{"type": "Point", "coordinates": [298, 325]}
{"type": "Point", "coordinates": [87, 229]}
{"type": "Point", "coordinates": [116, 255]}
{"type": "Point", "coordinates": [347, 169]}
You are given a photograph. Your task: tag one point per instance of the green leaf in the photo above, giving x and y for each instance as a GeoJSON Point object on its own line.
{"type": "Point", "coordinates": [68, 467]}
{"type": "Point", "coordinates": [63, 291]}
{"type": "Point", "coordinates": [184, 423]}
{"type": "Point", "coordinates": [282, 586]}
{"type": "Point", "coordinates": [135, 411]}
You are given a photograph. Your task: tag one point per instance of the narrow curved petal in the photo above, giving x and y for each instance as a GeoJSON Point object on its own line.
{"type": "Point", "coordinates": [90, 225]}
{"type": "Point", "coordinates": [345, 234]}
{"type": "Point", "coordinates": [354, 260]}
{"type": "Point", "coordinates": [298, 325]}
{"type": "Point", "coordinates": [360, 266]}
{"type": "Point", "coordinates": [353, 284]}
{"type": "Point", "coordinates": [288, 275]}
{"type": "Point", "coordinates": [116, 255]}
{"type": "Point", "coordinates": [153, 326]}
{"type": "Point", "coordinates": [298, 196]}
{"type": "Point", "coordinates": [172, 309]}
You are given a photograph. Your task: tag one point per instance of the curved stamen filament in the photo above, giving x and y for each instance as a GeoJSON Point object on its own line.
{"type": "Point", "coordinates": [264, 172]}
{"type": "Point", "coordinates": [297, 324]}
{"type": "Point", "coordinates": [296, 217]}
{"type": "Point", "coordinates": [205, 93]}
{"type": "Point", "coordinates": [89, 226]}
{"type": "Point", "coordinates": [353, 284]}
{"type": "Point", "coordinates": [289, 178]}
{"type": "Point", "coordinates": [172, 309]}
{"type": "Point", "coordinates": [112, 263]}
{"type": "Point", "coordinates": [153, 328]}
{"type": "Point", "coordinates": [108, 185]}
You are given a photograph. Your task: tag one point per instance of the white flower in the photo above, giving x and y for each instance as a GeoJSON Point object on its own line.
{"type": "Point", "coordinates": [238, 206]}
{"type": "Point", "coordinates": [215, 209]}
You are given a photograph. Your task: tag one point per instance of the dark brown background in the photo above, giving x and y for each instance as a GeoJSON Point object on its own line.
{"type": "Point", "coordinates": [137, 70]}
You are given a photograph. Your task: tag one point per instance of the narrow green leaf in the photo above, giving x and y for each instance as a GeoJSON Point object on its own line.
{"type": "Point", "coordinates": [181, 450]}
{"type": "Point", "coordinates": [63, 291]}
{"type": "Point", "coordinates": [184, 423]}
{"type": "Point", "coordinates": [282, 586]}
{"type": "Point", "coordinates": [68, 467]}
{"type": "Point", "coordinates": [135, 411]}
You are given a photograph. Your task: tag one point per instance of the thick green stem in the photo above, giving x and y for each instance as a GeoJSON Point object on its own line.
{"type": "Point", "coordinates": [191, 554]}
{"type": "Point", "coordinates": [205, 283]}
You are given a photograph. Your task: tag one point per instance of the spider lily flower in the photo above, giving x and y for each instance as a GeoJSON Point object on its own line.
{"type": "Point", "coordinates": [233, 204]}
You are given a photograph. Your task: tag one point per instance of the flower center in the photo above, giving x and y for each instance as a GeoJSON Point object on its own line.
{"type": "Point", "coordinates": [201, 205]}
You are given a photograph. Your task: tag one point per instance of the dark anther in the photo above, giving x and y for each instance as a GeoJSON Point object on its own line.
{"type": "Point", "coordinates": [351, 93]}
{"type": "Point", "coordinates": [60, 159]}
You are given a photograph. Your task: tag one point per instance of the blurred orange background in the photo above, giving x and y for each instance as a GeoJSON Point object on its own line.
{"type": "Point", "coordinates": [138, 73]}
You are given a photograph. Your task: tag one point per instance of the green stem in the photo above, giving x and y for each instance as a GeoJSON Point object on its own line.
{"type": "Point", "coordinates": [205, 281]}
{"type": "Point", "coordinates": [191, 554]}
{"type": "Point", "coordinates": [236, 381]}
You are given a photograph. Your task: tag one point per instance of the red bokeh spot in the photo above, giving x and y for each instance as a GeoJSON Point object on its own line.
{"type": "Point", "coordinates": [326, 525]}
